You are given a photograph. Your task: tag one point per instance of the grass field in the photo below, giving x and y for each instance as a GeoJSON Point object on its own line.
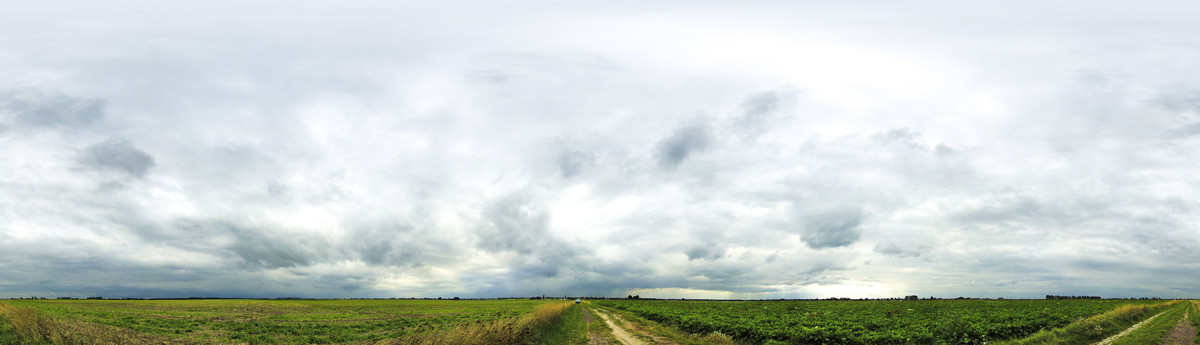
{"type": "Point", "coordinates": [274, 321]}
{"type": "Point", "coordinates": [593, 322]}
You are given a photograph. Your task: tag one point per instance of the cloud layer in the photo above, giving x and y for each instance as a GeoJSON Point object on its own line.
{"type": "Point", "coordinates": [770, 150]}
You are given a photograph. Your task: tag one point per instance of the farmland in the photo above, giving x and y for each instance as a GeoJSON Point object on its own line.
{"type": "Point", "coordinates": [518, 321]}
{"type": "Point", "coordinates": [271, 321]}
{"type": "Point", "coordinates": [870, 322]}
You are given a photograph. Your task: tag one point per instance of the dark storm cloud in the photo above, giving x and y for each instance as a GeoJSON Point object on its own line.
{"type": "Point", "coordinates": [684, 142]}
{"type": "Point", "coordinates": [117, 155]}
{"type": "Point", "coordinates": [48, 109]}
{"type": "Point", "coordinates": [832, 229]}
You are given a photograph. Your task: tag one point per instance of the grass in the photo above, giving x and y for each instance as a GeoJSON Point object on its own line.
{"type": "Point", "coordinates": [278, 322]}
{"type": "Point", "coordinates": [1155, 331]}
{"type": "Point", "coordinates": [422, 322]}
{"type": "Point", "coordinates": [8, 333]}
{"type": "Point", "coordinates": [1094, 328]}
{"type": "Point", "coordinates": [598, 329]}
{"type": "Point", "coordinates": [516, 330]}
{"type": "Point", "coordinates": [1194, 316]}
{"type": "Point", "coordinates": [567, 328]}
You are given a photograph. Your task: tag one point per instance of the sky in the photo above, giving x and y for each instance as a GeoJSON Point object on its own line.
{"type": "Point", "coordinates": [699, 149]}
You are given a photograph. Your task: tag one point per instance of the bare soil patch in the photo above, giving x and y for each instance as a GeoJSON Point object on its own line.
{"type": "Point", "coordinates": [623, 335]}
{"type": "Point", "coordinates": [1183, 333]}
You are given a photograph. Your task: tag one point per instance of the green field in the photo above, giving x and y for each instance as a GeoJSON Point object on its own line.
{"type": "Point", "coordinates": [869, 322]}
{"type": "Point", "coordinates": [519, 321]}
{"type": "Point", "coordinates": [271, 321]}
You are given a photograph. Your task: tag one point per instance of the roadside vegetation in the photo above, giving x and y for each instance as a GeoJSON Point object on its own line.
{"type": "Point", "coordinates": [537, 327]}
{"type": "Point", "coordinates": [1155, 331]}
{"type": "Point", "coordinates": [567, 328]}
{"type": "Point", "coordinates": [1194, 316]}
{"type": "Point", "coordinates": [1095, 328]}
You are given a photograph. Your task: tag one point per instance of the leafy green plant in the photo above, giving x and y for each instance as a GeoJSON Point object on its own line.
{"type": "Point", "coordinates": [868, 322]}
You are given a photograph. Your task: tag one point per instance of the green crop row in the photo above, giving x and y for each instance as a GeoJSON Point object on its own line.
{"type": "Point", "coordinates": [868, 322]}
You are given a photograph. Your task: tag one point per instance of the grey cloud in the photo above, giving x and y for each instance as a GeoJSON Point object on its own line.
{"type": "Point", "coordinates": [759, 104]}
{"type": "Point", "coordinates": [382, 244]}
{"type": "Point", "coordinates": [117, 155]}
{"type": "Point", "coordinates": [683, 143]}
{"type": "Point", "coordinates": [513, 224]}
{"type": "Point", "coordinates": [759, 111]}
{"type": "Point", "coordinates": [573, 163]}
{"type": "Point", "coordinates": [398, 244]}
{"type": "Point", "coordinates": [391, 153]}
{"type": "Point", "coordinates": [46, 109]}
{"type": "Point", "coordinates": [708, 251]}
{"type": "Point", "coordinates": [1185, 103]}
{"type": "Point", "coordinates": [903, 136]}
{"type": "Point", "coordinates": [516, 224]}
{"type": "Point", "coordinates": [1185, 130]}
{"type": "Point", "coordinates": [898, 250]}
{"type": "Point", "coordinates": [264, 248]}
{"type": "Point", "coordinates": [250, 245]}
{"type": "Point", "coordinates": [1179, 100]}
{"type": "Point", "coordinates": [832, 229]}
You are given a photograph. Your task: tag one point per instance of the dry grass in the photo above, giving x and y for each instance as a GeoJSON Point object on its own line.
{"type": "Point", "coordinates": [505, 331]}
{"type": "Point", "coordinates": [33, 327]}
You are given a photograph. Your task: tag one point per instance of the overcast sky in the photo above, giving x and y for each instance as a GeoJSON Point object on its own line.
{"type": "Point", "coordinates": [689, 149]}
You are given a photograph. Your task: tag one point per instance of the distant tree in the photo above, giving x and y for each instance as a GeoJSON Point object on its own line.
{"type": "Point", "coordinates": [456, 298]}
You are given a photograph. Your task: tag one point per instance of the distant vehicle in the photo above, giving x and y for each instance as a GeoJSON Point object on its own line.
{"type": "Point", "coordinates": [577, 301]}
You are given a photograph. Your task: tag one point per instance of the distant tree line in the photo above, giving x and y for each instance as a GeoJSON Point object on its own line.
{"type": "Point", "coordinates": [1071, 297]}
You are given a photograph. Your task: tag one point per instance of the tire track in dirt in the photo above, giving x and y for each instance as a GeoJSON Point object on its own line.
{"type": "Point", "coordinates": [1113, 338]}
{"type": "Point", "coordinates": [593, 338]}
{"type": "Point", "coordinates": [621, 333]}
{"type": "Point", "coordinates": [1183, 333]}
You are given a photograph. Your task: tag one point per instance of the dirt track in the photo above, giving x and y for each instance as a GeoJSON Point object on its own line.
{"type": "Point", "coordinates": [623, 335]}
{"type": "Point", "coordinates": [1128, 330]}
{"type": "Point", "coordinates": [1183, 333]}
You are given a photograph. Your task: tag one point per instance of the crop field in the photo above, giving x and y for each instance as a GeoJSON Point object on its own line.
{"type": "Point", "coordinates": [869, 322]}
{"type": "Point", "coordinates": [611, 322]}
{"type": "Point", "coordinates": [266, 321]}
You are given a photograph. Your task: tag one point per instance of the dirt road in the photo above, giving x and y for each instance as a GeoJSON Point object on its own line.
{"type": "Point", "coordinates": [1130, 329]}
{"type": "Point", "coordinates": [623, 335]}
{"type": "Point", "coordinates": [1183, 333]}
